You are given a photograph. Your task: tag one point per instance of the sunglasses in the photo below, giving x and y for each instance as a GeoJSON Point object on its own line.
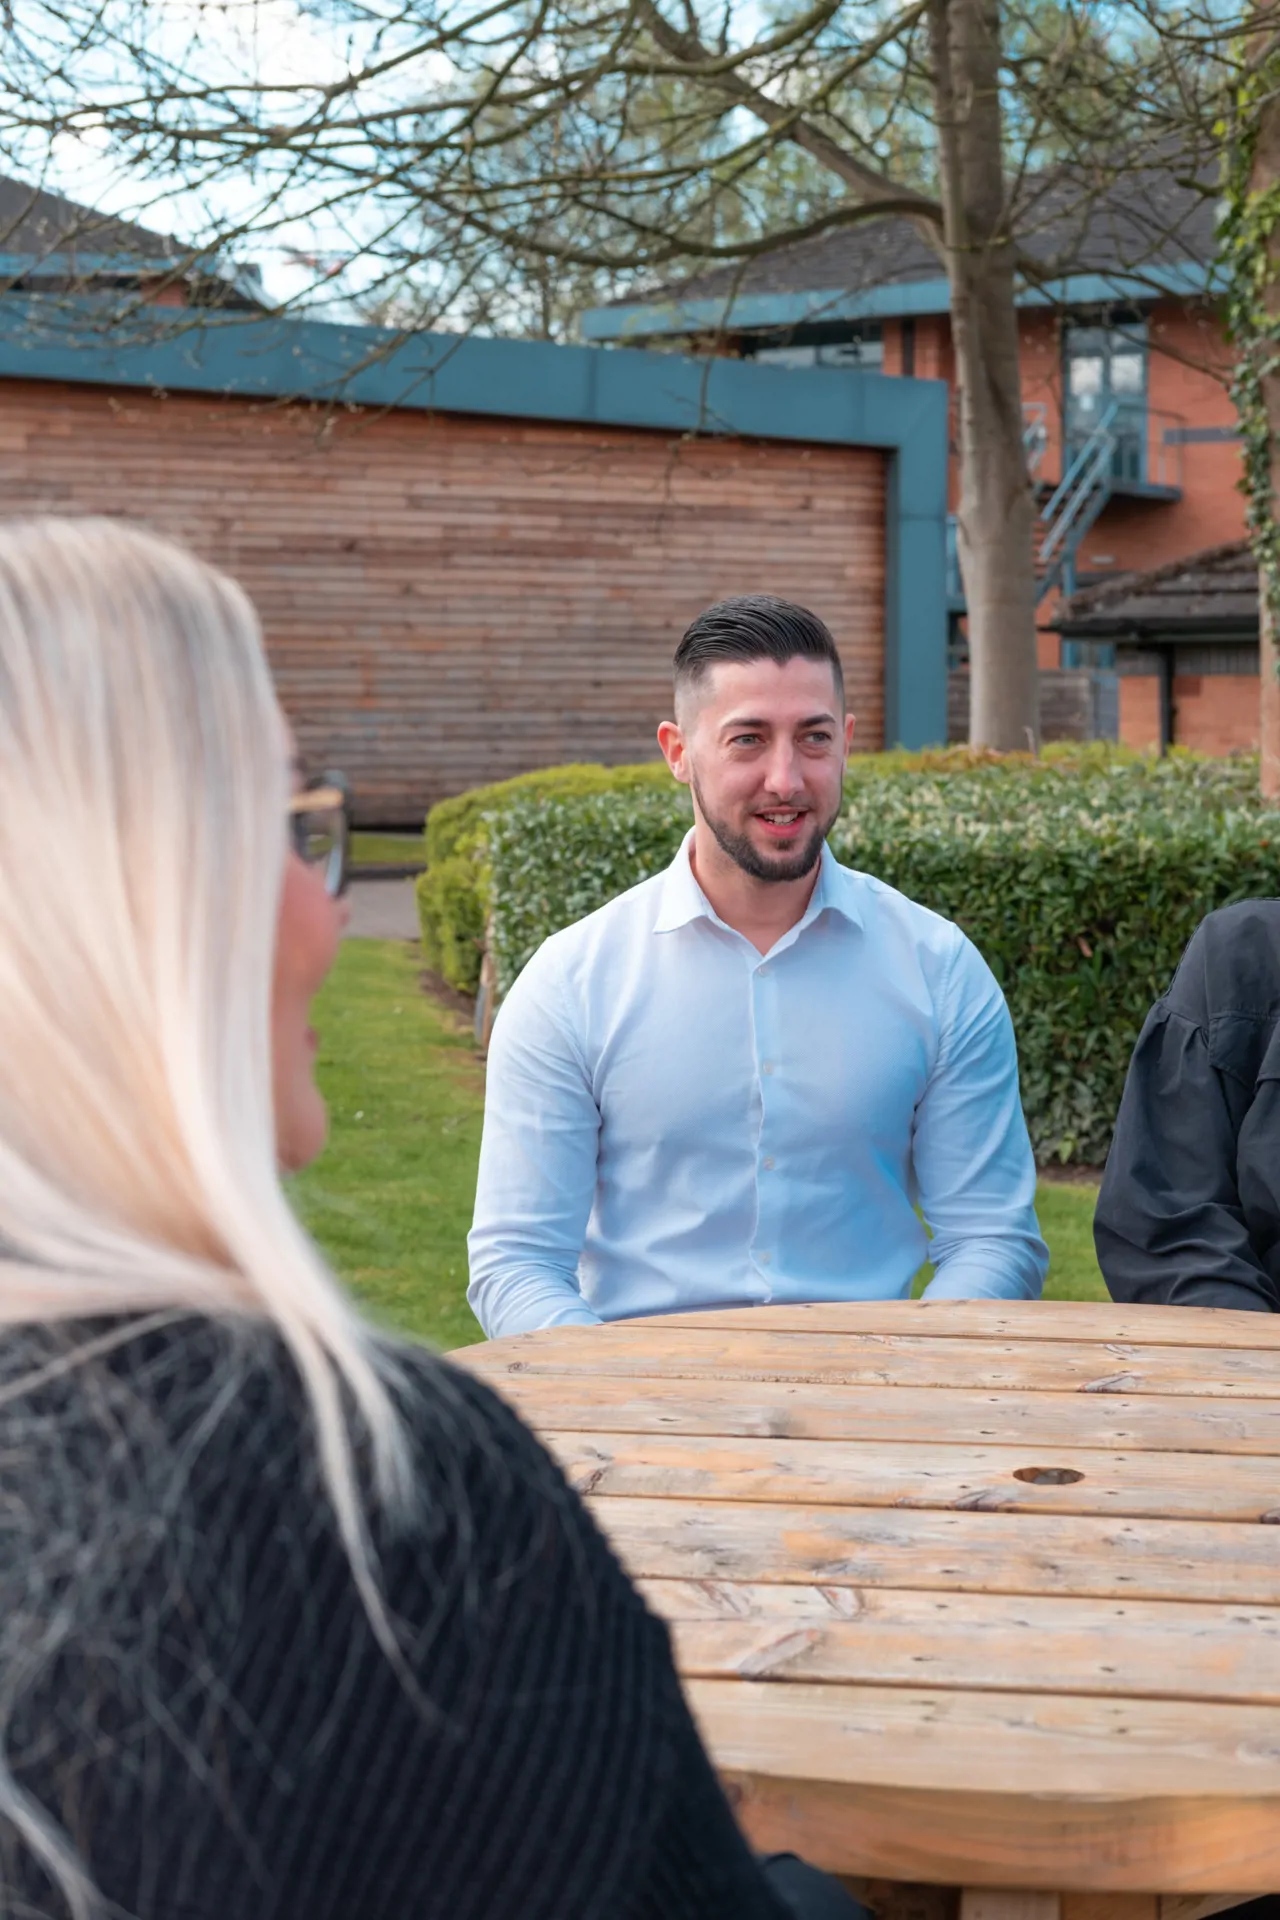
{"type": "Point", "coordinates": [320, 829]}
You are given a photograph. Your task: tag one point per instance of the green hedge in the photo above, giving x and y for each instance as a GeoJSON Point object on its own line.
{"type": "Point", "coordinates": [552, 861]}
{"type": "Point", "coordinates": [453, 894]}
{"type": "Point", "coordinates": [1080, 877]}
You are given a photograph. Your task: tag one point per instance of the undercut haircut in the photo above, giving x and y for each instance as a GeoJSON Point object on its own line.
{"type": "Point", "coordinates": [755, 626]}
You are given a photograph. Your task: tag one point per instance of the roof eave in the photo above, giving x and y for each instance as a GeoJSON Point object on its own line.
{"type": "Point", "coordinates": [901, 299]}
{"type": "Point", "coordinates": [1109, 627]}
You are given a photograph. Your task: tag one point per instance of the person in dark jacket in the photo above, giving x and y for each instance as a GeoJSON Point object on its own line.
{"type": "Point", "coordinates": [1189, 1212]}
{"type": "Point", "coordinates": [297, 1622]}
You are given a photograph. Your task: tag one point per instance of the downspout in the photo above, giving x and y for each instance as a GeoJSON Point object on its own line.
{"type": "Point", "coordinates": [1167, 712]}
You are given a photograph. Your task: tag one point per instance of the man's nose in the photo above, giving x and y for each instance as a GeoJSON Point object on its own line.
{"type": "Point", "coordinates": [783, 774]}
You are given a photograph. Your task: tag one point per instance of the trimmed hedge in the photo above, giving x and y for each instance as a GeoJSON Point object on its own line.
{"type": "Point", "coordinates": [453, 894]}
{"type": "Point", "coordinates": [1081, 904]}
{"type": "Point", "coordinates": [552, 861]}
{"type": "Point", "coordinates": [1080, 877]}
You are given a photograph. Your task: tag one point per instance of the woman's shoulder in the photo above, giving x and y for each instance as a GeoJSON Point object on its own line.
{"type": "Point", "coordinates": [219, 1406]}
{"type": "Point", "coordinates": [226, 1404]}
{"type": "Point", "coordinates": [1231, 965]}
{"type": "Point", "coordinates": [506, 1664]}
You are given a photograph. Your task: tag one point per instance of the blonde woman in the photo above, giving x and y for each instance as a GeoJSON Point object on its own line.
{"type": "Point", "coordinates": [294, 1621]}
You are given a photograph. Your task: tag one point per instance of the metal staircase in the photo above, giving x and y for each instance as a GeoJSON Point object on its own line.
{"type": "Point", "coordinates": [1067, 513]}
{"type": "Point", "coordinates": [1073, 506]}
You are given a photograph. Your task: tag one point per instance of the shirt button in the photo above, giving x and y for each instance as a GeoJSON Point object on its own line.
{"type": "Point", "coordinates": [766, 1066]}
{"type": "Point", "coordinates": [768, 1163]}
{"type": "Point", "coordinates": [762, 970]}
{"type": "Point", "coordinates": [764, 1258]}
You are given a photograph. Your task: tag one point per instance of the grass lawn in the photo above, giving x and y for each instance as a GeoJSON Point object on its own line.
{"type": "Point", "coordinates": [390, 1199]}
{"type": "Point", "coordinates": [387, 850]}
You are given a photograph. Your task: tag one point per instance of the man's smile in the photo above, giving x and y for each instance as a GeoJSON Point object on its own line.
{"type": "Point", "coordinates": [781, 822]}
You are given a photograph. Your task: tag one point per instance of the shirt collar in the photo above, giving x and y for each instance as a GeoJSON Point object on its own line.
{"type": "Point", "coordinates": [838, 890]}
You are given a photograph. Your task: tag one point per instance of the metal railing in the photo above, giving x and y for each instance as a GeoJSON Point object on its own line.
{"type": "Point", "coordinates": [1110, 454]}
{"type": "Point", "coordinates": [1078, 498]}
{"type": "Point", "coordinates": [1148, 446]}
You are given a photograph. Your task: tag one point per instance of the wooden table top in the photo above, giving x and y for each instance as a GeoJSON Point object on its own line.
{"type": "Point", "coordinates": [984, 1594]}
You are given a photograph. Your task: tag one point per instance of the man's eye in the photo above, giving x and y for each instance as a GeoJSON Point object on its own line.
{"type": "Point", "coordinates": [820, 739]}
{"type": "Point", "coordinates": [745, 740]}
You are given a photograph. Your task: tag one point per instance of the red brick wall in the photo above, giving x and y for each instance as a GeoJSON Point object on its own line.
{"type": "Point", "coordinates": [1188, 367]}
{"type": "Point", "coordinates": [1140, 710]}
{"type": "Point", "coordinates": [450, 599]}
{"type": "Point", "coordinates": [1216, 712]}
{"type": "Point", "coordinates": [1213, 712]}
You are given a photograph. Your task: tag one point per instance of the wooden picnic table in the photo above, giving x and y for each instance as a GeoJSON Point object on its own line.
{"type": "Point", "coordinates": [980, 1595]}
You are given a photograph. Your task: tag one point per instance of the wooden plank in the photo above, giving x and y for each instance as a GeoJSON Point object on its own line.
{"type": "Point", "coordinates": [1003, 1903]}
{"type": "Point", "coordinates": [945, 1552]}
{"type": "Point", "coordinates": [1131, 1648]}
{"type": "Point", "coordinates": [1002, 1789]}
{"type": "Point", "coordinates": [1113, 1906]}
{"type": "Point", "coordinates": [1148, 1906]}
{"type": "Point", "coordinates": [1064, 1747]}
{"type": "Point", "coordinates": [1009, 1319]}
{"type": "Point", "coordinates": [787, 1409]}
{"type": "Point", "coordinates": [645, 1349]}
{"type": "Point", "coordinates": [1028, 1479]}
{"type": "Point", "coordinates": [1192, 1906]}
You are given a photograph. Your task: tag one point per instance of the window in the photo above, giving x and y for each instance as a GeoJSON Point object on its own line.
{"type": "Point", "coordinates": [862, 346]}
{"type": "Point", "coordinates": [1105, 381]}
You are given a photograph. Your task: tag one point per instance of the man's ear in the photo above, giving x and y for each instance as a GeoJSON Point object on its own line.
{"type": "Point", "coordinates": [848, 733]}
{"type": "Point", "coordinates": [671, 740]}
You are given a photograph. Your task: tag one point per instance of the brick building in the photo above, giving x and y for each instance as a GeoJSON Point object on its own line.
{"type": "Point", "coordinates": [49, 244]}
{"type": "Point", "coordinates": [1184, 636]}
{"type": "Point", "coordinates": [474, 557]}
{"type": "Point", "coordinates": [1130, 431]}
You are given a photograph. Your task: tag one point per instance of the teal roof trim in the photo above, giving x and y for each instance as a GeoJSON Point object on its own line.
{"type": "Point", "coordinates": [764, 312]}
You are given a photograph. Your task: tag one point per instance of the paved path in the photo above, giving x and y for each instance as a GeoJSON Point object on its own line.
{"type": "Point", "coordinates": [382, 910]}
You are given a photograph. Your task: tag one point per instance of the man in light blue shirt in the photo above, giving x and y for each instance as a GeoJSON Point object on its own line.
{"type": "Point", "coordinates": [737, 1082]}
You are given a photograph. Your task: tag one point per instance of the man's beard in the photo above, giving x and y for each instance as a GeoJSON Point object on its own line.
{"type": "Point", "coordinates": [744, 853]}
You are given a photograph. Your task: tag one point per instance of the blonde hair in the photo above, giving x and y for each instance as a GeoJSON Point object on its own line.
{"type": "Point", "coordinates": [143, 786]}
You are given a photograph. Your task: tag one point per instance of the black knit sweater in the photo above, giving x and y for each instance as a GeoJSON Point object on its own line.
{"type": "Point", "coordinates": [190, 1685]}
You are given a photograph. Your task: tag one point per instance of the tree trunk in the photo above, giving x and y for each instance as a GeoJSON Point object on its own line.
{"type": "Point", "coordinates": [1265, 174]}
{"type": "Point", "coordinates": [1269, 717]}
{"type": "Point", "coordinates": [996, 516]}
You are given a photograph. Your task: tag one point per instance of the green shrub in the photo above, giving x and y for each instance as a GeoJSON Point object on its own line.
{"type": "Point", "coordinates": [552, 861]}
{"type": "Point", "coordinates": [452, 910]}
{"type": "Point", "coordinates": [1081, 896]}
{"type": "Point", "coordinates": [1080, 877]}
{"type": "Point", "coordinates": [450, 823]}
{"type": "Point", "coordinates": [453, 894]}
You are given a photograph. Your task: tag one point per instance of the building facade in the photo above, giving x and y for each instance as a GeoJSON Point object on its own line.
{"type": "Point", "coordinates": [1131, 435]}
{"type": "Point", "coordinates": [475, 557]}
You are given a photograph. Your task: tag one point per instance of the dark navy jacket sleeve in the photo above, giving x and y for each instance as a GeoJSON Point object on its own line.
{"type": "Point", "coordinates": [1189, 1213]}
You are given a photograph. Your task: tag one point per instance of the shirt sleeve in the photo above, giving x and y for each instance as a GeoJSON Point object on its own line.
{"type": "Point", "coordinates": [975, 1173]}
{"type": "Point", "coordinates": [1170, 1228]}
{"type": "Point", "coordinates": [537, 1175]}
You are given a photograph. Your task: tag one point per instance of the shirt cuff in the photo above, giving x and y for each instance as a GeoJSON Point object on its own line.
{"type": "Point", "coordinates": [977, 1285]}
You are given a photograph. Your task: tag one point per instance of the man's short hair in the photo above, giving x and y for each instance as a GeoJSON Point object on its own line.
{"type": "Point", "coordinates": [756, 626]}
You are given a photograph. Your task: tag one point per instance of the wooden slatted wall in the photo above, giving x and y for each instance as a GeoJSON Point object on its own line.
{"type": "Point", "coordinates": [450, 599]}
